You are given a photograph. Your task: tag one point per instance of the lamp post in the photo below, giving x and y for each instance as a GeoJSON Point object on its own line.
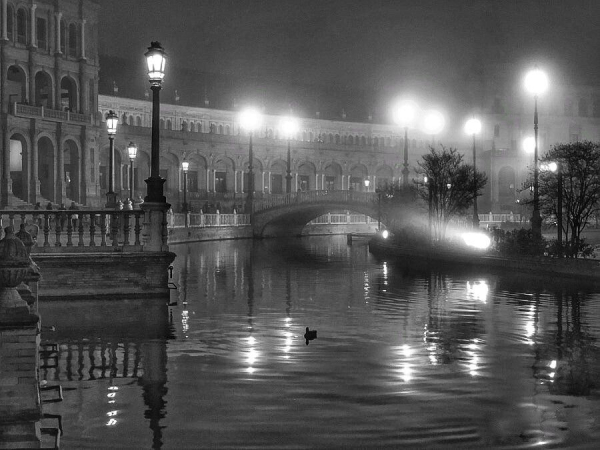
{"type": "Point", "coordinates": [473, 127]}
{"type": "Point", "coordinates": [536, 83]}
{"type": "Point", "coordinates": [378, 191]}
{"type": "Point", "coordinates": [403, 115]}
{"type": "Point", "coordinates": [434, 123]}
{"type": "Point", "coordinates": [132, 153]}
{"type": "Point", "coordinates": [156, 60]}
{"type": "Point", "coordinates": [112, 120]}
{"type": "Point", "coordinates": [250, 120]}
{"type": "Point", "coordinates": [427, 182]}
{"type": "Point", "coordinates": [185, 166]}
{"type": "Point", "coordinates": [289, 127]}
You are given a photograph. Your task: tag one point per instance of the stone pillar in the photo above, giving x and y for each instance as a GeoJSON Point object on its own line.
{"type": "Point", "coordinates": [20, 405]}
{"type": "Point", "coordinates": [155, 226]}
{"type": "Point", "coordinates": [60, 192]}
{"type": "Point", "coordinates": [83, 38]}
{"type": "Point", "coordinates": [33, 33]}
{"type": "Point", "coordinates": [58, 16]}
{"type": "Point", "coordinates": [35, 179]}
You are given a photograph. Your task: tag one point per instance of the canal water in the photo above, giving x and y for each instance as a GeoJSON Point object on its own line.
{"type": "Point", "coordinates": [404, 356]}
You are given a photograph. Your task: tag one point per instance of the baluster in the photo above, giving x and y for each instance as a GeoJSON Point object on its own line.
{"type": "Point", "coordinates": [23, 220]}
{"type": "Point", "coordinates": [126, 228]}
{"type": "Point", "coordinates": [80, 222]}
{"type": "Point", "coordinates": [69, 230]}
{"type": "Point", "coordinates": [103, 229]}
{"type": "Point", "coordinates": [137, 228]}
{"type": "Point", "coordinates": [114, 228]}
{"type": "Point", "coordinates": [11, 219]}
{"type": "Point", "coordinates": [46, 229]}
{"type": "Point", "coordinates": [92, 229]}
{"type": "Point", "coordinates": [57, 229]}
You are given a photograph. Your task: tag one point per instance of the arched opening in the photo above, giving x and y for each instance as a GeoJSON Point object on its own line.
{"type": "Point", "coordinates": [358, 175]}
{"type": "Point", "coordinates": [224, 173]}
{"type": "Point", "coordinates": [68, 94]}
{"type": "Point", "coordinates": [384, 176]}
{"type": "Point", "coordinates": [18, 166]}
{"type": "Point", "coordinates": [22, 26]}
{"type": "Point", "coordinates": [138, 121]}
{"type": "Point", "coordinates": [306, 176]}
{"type": "Point", "coordinates": [72, 170]}
{"type": "Point", "coordinates": [506, 187]}
{"type": "Point", "coordinates": [333, 177]}
{"type": "Point", "coordinates": [184, 126]}
{"type": "Point", "coordinates": [72, 40]}
{"type": "Point", "coordinates": [16, 85]}
{"type": "Point", "coordinates": [47, 169]}
{"type": "Point", "coordinates": [43, 89]}
{"type": "Point", "coordinates": [277, 181]}
{"type": "Point", "coordinates": [197, 174]}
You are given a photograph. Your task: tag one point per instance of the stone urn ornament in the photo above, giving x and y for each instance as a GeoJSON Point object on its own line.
{"type": "Point", "coordinates": [14, 266]}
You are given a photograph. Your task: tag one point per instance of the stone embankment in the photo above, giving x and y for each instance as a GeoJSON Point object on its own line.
{"type": "Point", "coordinates": [584, 269]}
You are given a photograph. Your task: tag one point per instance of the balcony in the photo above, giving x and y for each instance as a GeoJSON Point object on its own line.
{"type": "Point", "coordinates": [22, 110]}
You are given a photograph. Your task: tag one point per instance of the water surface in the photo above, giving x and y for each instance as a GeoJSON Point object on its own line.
{"type": "Point", "coordinates": [404, 356]}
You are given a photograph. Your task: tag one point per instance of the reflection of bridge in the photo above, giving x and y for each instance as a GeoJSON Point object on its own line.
{"type": "Point", "coordinates": [287, 214]}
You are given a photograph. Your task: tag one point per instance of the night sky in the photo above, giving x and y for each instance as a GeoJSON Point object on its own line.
{"type": "Point", "coordinates": [381, 46]}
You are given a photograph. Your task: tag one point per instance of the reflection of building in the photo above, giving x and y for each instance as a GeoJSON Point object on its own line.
{"type": "Point", "coordinates": [49, 92]}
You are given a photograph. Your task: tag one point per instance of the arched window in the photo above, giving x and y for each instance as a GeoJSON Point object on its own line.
{"type": "Point", "coordinates": [337, 138]}
{"type": "Point", "coordinates": [330, 138]}
{"type": "Point", "coordinates": [63, 37]}
{"type": "Point", "coordinates": [22, 26]}
{"type": "Point", "coordinates": [220, 129]}
{"type": "Point", "coordinates": [169, 124]}
{"type": "Point", "coordinates": [184, 126]}
{"type": "Point", "coordinates": [138, 121]}
{"type": "Point", "coordinates": [162, 124]}
{"type": "Point", "coordinates": [350, 140]}
{"type": "Point", "coordinates": [375, 142]}
{"type": "Point", "coordinates": [72, 40]}
{"type": "Point", "coordinates": [363, 140]}
{"type": "Point", "coordinates": [10, 24]}
{"type": "Point", "coordinates": [130, 120]}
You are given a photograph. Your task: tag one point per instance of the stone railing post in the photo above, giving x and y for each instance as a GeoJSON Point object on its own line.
{"type": "Point", "coordinates": [155, 226]}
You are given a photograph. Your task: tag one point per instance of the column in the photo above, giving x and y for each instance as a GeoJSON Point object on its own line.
{"type": "Point", "coordinates": [295, 187]}
{"type": "Point", "coordinates": [58, 16]}
{"type": "Point", "coordinates": [59, 192]}
{"type": "Point", "coordinates": [269, 182]}
{"type": "Point", "coordinates": [235, 181]}
{"type": "Point", "coordinates": [4, 20]}
{"type": "Point", "coordinates": [262, 188]}
{"type": "Point", "coordinates": [214, 181]}
{"type": "Point", "coordinates": [83, 168]}
{"type": "Point", "coordinates": [33, 39]}
{"type": "Point", "coordinates": [83, 38]}
{"type": "Point", "coordinates": [207, 180]}
{"type": "Point", "coordinates": [35, 179]}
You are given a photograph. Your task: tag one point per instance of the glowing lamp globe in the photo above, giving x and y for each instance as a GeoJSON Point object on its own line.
{"type": "Point", "coordinates": [112, 120]}
{"type": "Point", "coordinates": [403, 114]}
{"type": "Point", "coordinates": [185, 166]}
{"type": "Point", "coordinates": [536, 82]}
{"type": "Point", "coordinates": [529, 144]}
{"type": "Point", "coordinates": [156, 61]}
{"type": "Point", "coordinates": [288, 126]}
{"type": "Point", "coordinates": [473, 126]}
{"type": "Point", "coordinates": [250, 119]}
{"type": "Point", "coordinates": [132, 150]}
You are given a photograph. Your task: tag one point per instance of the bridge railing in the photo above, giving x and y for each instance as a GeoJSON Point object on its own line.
{"type": "Point", "coordinates": [78, 231]}
{"type": "Point", "coordinates": [201, 220]}
{"type": "Point", "coordinates": [274, 201]}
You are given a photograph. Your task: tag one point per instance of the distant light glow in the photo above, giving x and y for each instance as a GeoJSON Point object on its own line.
{"type": "Point", "coordinates": [553, 364]}
{"type": "Point", "coordinates": [403, 114]}
{"type": "Point", "coordinates": [477, 240]}
{"type": "Point", "coordinates": [473, 126]}
{"type": "Point", "coordinates": [250, 119]}
{"type": "Point", "coordinates": [289, 126]}
{"type": "Point", "coordinates": [385, 234]}
{"type": "Point", "coordinates": [529, 144]}
{"type": "Point", "coordinates": [551, 167]}
{"type": "Point", "coordinates": [479, 290]}
{"type": "Point", "coordinates": [536, 82]}
{"type": "Point", "coordinates": [434, 122]}
{"type": "Point", "coordinates": [111, 422]}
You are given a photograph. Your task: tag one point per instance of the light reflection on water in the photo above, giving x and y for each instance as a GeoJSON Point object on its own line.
{"type": "Point", "coordinates": [404, 356]}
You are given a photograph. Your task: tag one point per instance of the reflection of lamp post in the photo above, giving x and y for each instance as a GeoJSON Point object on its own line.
{"type": "Point", "coordinates": [155, 58]}
{"type": "Point", "coordinates": [556, 167]}
{"type": "Point", "coordinates": [404, 115]}
{"type": "Point", "coordinates": [112, 120]}
{"type": "Point", "coordinates": [379, 192]}
{"type": "Point", "coordinates": [250, 120]}
{"type": "Point", "coordinates": [434, 124]}
{"type": "Point", "coordinates": [289, 127]}
{"type": "Point", "coordinates": [473, 127]}
{"type": "Point", "coordinates": [185, 166]}
{"type": "Point", "coordinates": [132, 153]}
{"type": "Point", "coordinates": [536, 83]}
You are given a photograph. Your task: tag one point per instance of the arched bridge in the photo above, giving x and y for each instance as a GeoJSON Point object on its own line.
{"type": "Point", "coordinates": [287, 214]}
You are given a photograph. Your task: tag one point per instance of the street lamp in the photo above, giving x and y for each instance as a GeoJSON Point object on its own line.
{"type": "Point", "coordinates": [185, 166]}
{"type": "Point", "coordinates": [367, 184]}
{"type": "Point", "coordinates": [112, 120]}
{"type": "Point", "coordinates": [156, 60]}
{"type": "Point", "coordinates": [434, 123]}
{"type": "Point", "coordinates": [289, 127]}
{"type": "Point", "coordinates": [556, 168]}
{"type": "Point", "coordinates": [536, 83]}
{"type": "Point", "coordinates": [473, 127]}
{"type": "Point", "coordinates": [132, 153]}
{"type": "Point", "coordinates": [250, 120]}
{"type": "Point", "coordinates": [404, 115]}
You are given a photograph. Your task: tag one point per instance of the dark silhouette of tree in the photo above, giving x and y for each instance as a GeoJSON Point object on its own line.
{"type": "Point", "coordinates": [579, 164]}
{"type": "Point", "coordinates": [446, 183]}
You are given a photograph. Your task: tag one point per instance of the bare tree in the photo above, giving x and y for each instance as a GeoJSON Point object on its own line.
{"type": "Point", "coordinates": [448, 185]}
